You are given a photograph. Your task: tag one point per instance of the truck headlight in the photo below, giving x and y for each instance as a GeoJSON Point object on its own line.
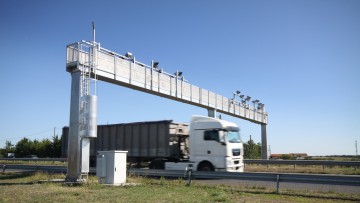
{"type": "Point", "coordinates": [229, 162]}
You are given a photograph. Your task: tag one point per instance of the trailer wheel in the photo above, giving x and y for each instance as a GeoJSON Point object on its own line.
{"type": "Point", "coordinates": [205, 166]}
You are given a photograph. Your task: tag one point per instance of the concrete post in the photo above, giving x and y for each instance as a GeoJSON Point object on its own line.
{"type": "Point", "coordinates": [212, 113]}
{"type": "Point", "coordinates": [74, 155]}
{"type": "Point", "coordinates": [264, 151]}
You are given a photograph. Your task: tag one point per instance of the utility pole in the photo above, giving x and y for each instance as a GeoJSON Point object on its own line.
{"type": "Point", "coordinates": [356, 149]}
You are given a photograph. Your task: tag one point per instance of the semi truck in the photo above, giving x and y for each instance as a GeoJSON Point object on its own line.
{"type": "Point", "coordinates": [207, 144]}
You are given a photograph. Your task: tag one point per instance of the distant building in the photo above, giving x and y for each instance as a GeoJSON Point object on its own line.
{"type": "Point", "coordinates": [299, 155]}
{"type": "Point", "coordinates": [293, 155]}
{"type": "Point", "coordinates": [275, 156]}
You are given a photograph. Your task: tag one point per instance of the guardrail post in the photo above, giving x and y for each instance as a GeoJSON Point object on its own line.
{"type": "Point", "coordinates": [277, 183]}
{"type": "Point", "coordinates": [190, 177]}
{"type": "Point", "coordinates": [4, 167]}
{"type": "Point", "coordinates": [189, 171]}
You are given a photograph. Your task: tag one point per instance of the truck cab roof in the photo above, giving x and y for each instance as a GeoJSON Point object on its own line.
{"type": "Point", "coordinates": [203, 122]}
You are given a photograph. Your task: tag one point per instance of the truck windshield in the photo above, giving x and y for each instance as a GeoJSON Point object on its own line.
{"type": "Point", "coordinates": [233, 136]}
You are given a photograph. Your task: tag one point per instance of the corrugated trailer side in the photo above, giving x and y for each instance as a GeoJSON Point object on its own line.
{"type": "Point", "coordinates": [142, 140]}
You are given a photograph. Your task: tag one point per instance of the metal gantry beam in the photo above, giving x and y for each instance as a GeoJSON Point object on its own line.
{"type": "Point", "coordinates": [125, 71]}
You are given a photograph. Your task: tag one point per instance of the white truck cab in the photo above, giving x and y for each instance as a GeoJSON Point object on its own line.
{"type": "Point", "coordinates": [214, 145]}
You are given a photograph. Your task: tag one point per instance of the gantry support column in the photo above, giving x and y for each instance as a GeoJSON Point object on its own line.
{"type": "Point", "coordinates": [212, 113]}
{"type": "Point", "coordinates": [74, 152]}
{"type": "Point", "coordinates": [264, 150]}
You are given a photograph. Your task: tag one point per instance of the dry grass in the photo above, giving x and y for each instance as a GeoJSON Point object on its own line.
{"type": "Point", "coordinates": [313, 169]}
{"type": "Point", "coordinates": [34, 162]}
{"type": "Point", "coordinates": [24, 187]}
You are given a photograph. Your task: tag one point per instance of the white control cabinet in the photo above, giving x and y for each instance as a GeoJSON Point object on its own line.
{"type": "Point", "coordinates": [111, 167]}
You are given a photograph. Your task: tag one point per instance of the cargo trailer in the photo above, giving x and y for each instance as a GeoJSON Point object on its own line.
{"type": "Point", "coordinates": [206, 144]}
{"type": "Point", "coordinates": [144, 141]}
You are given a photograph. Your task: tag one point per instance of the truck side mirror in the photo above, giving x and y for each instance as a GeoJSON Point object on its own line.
{"type": "Point", "coordinates": [222, 138]}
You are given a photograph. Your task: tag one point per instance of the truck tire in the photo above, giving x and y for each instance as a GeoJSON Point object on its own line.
{"type": "Point", "coordinates": [205, 166]}
{"type": "Point", "coordinates": [157, 164]}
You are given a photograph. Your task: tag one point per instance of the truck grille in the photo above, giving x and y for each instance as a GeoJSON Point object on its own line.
{"type": "Point", "coordinates": [236, 152]}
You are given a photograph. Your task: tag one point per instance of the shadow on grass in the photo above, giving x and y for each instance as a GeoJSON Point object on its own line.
{"type": "Point", "coordinates": [9, 184]}
{"type": "Point", "coordinates": [12, 176]}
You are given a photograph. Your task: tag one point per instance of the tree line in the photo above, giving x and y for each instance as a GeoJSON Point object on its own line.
{"type": "Point", "coordinates": [52, 148]}
{"type": "Point", "coordinates": [252, 150]}
{"type": "Point", "coordinates": [45, 148]}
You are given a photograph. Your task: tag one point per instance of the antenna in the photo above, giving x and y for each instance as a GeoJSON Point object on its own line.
{"type": "Point", "coordinates": [93, 28]}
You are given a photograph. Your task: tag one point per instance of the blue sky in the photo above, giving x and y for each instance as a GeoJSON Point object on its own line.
{"type": "Point", "coordinates": [300, 58]}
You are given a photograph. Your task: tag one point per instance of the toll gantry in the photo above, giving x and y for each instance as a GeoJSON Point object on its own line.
{"type": "Point", "coordinates": [88, 61]}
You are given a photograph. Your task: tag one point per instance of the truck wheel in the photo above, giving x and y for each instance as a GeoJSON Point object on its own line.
{"type": "Point", "coordinates": [205, 166]}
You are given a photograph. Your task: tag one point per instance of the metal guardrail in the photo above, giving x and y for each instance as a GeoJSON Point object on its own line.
{"type": "Point", "coordinates": [350, 180]}
{"type": "Point", "coordinates": [47, 168]}
{"type": "Point", "coordinates": [303, 162]}
{"type": "Point", "coordinates": [34, 159]}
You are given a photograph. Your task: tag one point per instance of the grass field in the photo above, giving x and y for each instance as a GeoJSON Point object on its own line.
{"type": "Point", "coordinates": [25, 187]}
{"type": "Point", "coordinates": [311, 169]}
{"type": "Point", "coordinates": [34, 162]}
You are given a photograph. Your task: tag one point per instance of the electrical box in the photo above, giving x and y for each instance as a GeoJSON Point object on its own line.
{"type": "Point", "coordinates": [111, 167]}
